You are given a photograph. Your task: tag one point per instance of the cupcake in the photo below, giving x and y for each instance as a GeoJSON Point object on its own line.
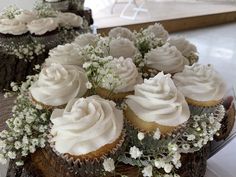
{"type": "Point", "coordinates": [64, 54]}
{"type": "Point", "coordinates": [70, 20]}
{"type": "Point", "coordinates": [202, 86]}
{"type": "Point", "coordinates": [121, 32]}
{"type": "Point", "coordinates": [187, 49]}
{"type": "Point", "coordinates": [121, 47]}
{"type": "Point", "coordinates": [45, 31]}
{"type": "Point", "coordinates": [26, 16]}
{"type": "Point", "coordinates": [86, 132]}
{"type": "Point", "coordinates": [166, 58]}
{"type": "Point", "coordinates": [86, 39]}
{"type": "Point", "coordinates": [157, 104]}
{"type": "Point", "coordinates": [57, 84]}
{"type": "Point", "coordinates": [13, 32]}
{"type": "Point", "coordinates": [125, 77]}
{"type": "Point", "coordinates": [158, 31]}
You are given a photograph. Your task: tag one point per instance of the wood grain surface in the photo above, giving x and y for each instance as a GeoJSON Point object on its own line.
{"type": "Point", "coordinates": [5, 109]}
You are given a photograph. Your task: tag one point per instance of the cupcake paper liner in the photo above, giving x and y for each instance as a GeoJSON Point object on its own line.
{"type": "Point", "coordinates": [149, 144]}
{"type": "Point", "coordinates": [91, 166]}
{"type": "Point", "coordinates": [199, 110]}
{"type": "Point", "coordinates": [47, 107]}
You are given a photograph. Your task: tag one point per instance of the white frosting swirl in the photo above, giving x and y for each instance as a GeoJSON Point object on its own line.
{"type": "Point", "coordinates": [42, 25]}
{"type": "Point", "coordinates": [159, 31]}
{"type": "Point", "coordinates": [200, 82]}
{"type": "Point", "coordinates": [86, 39]}
{"type": "Point", "coordinates": [122, 47]}
{"type": "Point", "coordinates": [58, 84]}
{"type": "Point", "coordinates": [65, 54]}
{"type": "Point", "coordinates": [127, 74]}
{"type": "Point", "coordinates": [166, 58]}
{"type": "Point", "coordinates": [121, 32]}
{"type": "Point", "coordinates": [183, 45]}
{"type": "Point", "coordinates": [70, 19]}
{"type": "Point", "coordinates": [86, 125]}
{"type": "Point", "coordinates": [158, 100]}
{"type": "Point", "coordinates": [26, 16]}
{"type": "Point", "coordinates": [12, 26]}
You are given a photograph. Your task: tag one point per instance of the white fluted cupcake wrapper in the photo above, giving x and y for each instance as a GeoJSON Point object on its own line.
{"type": "Point", "coordinates": [88, 166]}
{"type": "Point", "coordinates": [199, 110]}
{"type": "Point", "coordinates": [149, 144]}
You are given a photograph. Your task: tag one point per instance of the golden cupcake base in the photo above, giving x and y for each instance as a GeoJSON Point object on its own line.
{"type": "Point", "coordinates": [102, 151]}
{"type": "Point", "coordinates": [203, 103]}
{"type": "Point", "coordinates": [146, 127]}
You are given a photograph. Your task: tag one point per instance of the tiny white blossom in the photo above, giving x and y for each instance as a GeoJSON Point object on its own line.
{"type": "Point", "coordinates": [190, 137]}
{"type": "Point", "coordinates": [157, 134]}
{"type": "Point", "coordinates": [176, 157]}
{"type": "Point", "coordinates": [39, 107]}
{"type": "Point", "coordinates": [11, 155]}
{"type": "Point", "coordinates": [172, 147]}
{"type": "Point", "coordinates": [135, 152]}
{"type": "Point", "coordinates": [168, 167]}
{"type": "Point", "coordinates": [37, 66]}
{"type": "Point", "coordinates": [147, 171]}
{"type": "Point", "coordinates": [109, 165]}
{"type": "Point", "coordinates": [14, 89]}
{"type": "Point", "coordinates": [17, 144]}
{"type": "Point", "coordinates": [159, 163]}
{"type": "Point", "coordinates": [88, 85]}
{"type": "Point", "coordinates": [19, 163]}
{"type": "Point", "coordinates": [178, 165]}
{"type": "Point", "coordinates": [7, 95]}
{"type": "Point", "coordinates": [186, 146]}
{"type": "Point", "coordinates": [86, 65]}
{"type": "Point", "coordinates": [2, 144]}
{"type": "Point", "coordinates": [32, 149]}
{"type": "Point", "coordinates": [140, 136]}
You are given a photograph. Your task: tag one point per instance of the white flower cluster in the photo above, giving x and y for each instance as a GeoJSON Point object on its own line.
{"type": "Point", "coordinates": [145, 41]}
{"type": "Point", "coordinates": [100, 69]}
{"type": "Point", "coordinates": [78, 3]}
{"type": "Point", "coordinates": [201, 130]}
{"type": "Point", "coordinates": [26, 130]}
{"type": "Point", "coordinates": [167, 156]}
{"type": "Point", "coordinates": [45, 10]}
{"type": "Point", "coordinates": [26, 51]}
{"type": "Point", "coordinates": [10, 12]}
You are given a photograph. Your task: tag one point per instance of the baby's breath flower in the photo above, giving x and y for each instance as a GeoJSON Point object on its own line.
{"type": "Point", "coordinates": [147, 171]}
{"type": "Point", "coordinates": [11, 155]}
{"type": "Point", "coordinates": [186, 146]}
{"type": "Point", "coordinates": [89, 85]}
{"type": "Point", "coordinates": [109, 165]}
{"type": "Point", "coordinates": [190, 137]}
{"type": "Point", "coordinates": [135, 152]}
{"type": "Point", "coordinates": [168, 167]}
{"type": "Point", "coordinates": [140, 136]}
{"type": "Point", "coordinates": [157, 134]}
{"type": "Point", "coordinates": [19, 163]}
